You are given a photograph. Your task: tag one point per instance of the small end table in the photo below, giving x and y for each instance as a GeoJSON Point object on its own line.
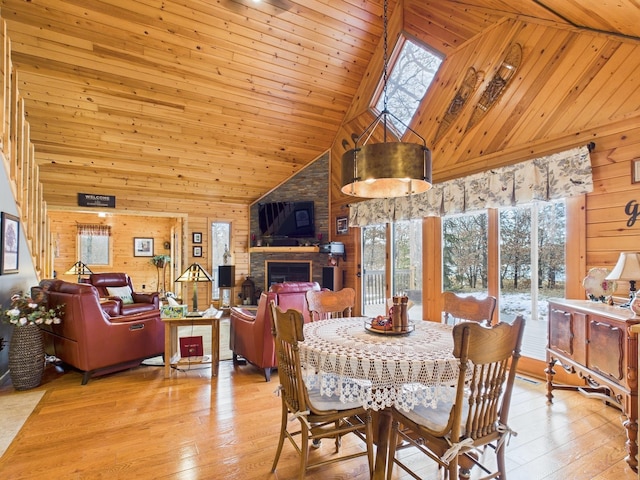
{"type": "Point", "coordinates": [171, 353]}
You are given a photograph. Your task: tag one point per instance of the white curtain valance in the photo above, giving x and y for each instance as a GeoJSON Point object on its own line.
{"type": "Point", "coordinates": [560, 175]}
{"type": "Point", "coordinates": [94, 230]}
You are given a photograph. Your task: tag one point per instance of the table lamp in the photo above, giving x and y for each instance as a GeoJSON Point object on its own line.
{"type": "Point", "coordinates": [79, 269]}
{"type": "Point", "coordinates": [195, 273]}
{"type": "Point", "coordinates": [627, 269]}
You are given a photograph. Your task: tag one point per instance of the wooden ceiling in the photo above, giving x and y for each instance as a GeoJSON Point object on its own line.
{"type": "Point", "coordinates": [226, 99]}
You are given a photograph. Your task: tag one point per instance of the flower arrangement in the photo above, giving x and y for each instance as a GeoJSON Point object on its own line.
{"type": "Point", "coordinates": [25, 311]}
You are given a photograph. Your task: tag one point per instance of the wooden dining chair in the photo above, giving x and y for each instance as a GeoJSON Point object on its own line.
{"type": "Point", "coordinates": [328, 304]}
{"type": "Point", "coordinates": [317, 416]}
{"type": "Point", "coordinates": [452, 433]}
{"type": "Point", "coordinates": [456, 308]}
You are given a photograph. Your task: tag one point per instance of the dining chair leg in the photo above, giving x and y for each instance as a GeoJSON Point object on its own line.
{"type": "Point", "coordinates": [393, 442]}
{"type": "Point", "coordinates": [338, 439]}
{"type": "Point", "coordinates": [369, 440]}
{"type": "Point", "coordinates": [501, 463]}
{"type": "Point", "coordinates": [283, 426]}
{"type": "Point", "coordinates": [304, 450]}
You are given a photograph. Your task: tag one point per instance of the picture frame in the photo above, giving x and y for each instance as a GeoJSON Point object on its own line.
{"type": "Point", "coordinates": [10, 243]}
{"type": "Point", "coordinates": [197, 237]}
{"type": "Point", "coordinates": [635, 170]}
{"type": "Point", "coordinates": [197, 251]}
{"type": "Point", "coordinates": [142, 247]}
{"type": "Point", "coordinates": [342, 225]}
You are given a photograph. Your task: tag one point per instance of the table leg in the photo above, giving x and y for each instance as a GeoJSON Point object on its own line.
{"type": "Point", "coordinates": [382, 442]}
{"type": "Point", "coordinates": [167, 350]}
{"type": "Point", "coordinates": [215, 347]}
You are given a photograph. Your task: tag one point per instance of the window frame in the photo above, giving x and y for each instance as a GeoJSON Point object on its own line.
{"type": "Point", "coordinates": [80, 245]}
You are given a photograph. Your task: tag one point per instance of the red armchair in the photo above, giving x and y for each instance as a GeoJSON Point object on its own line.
{"type": "Point", "coordinates": [91, 340]}
{"type": "Point", "coordinates": [250, 332]}
{"type": "Point", "coordinates": [138, 302]}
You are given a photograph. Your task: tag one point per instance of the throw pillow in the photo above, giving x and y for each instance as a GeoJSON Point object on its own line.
{"type": "Point", "coordinates": [123, 292]}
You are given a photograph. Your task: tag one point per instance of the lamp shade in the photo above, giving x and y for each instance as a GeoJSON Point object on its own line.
{"type": "Point", "coordinates": [78, 268]}
{"type": "Point", "coordinates": [627, 268]}
{"type": "Point", "coordinates": [194, 273]}
{"type": "Point", "coordinates": [385, 170]}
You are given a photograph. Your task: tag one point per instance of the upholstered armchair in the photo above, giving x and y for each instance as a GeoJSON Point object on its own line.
{"type": "Point", "coordinates": [250, 332]}
{"type": "Point", "coordinates": [91, 340]}
{"type": "Point", "coordinates": [119, 288]}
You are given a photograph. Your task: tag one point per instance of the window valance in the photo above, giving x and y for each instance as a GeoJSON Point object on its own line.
{"type": "Point", "coordinates": [560, 175]}
{"type": "Point", "coordinates": [94, 230]}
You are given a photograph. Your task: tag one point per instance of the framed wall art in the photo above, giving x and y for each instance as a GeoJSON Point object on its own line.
{"type": "Point", "coordinates": [342, 225]}
{"type": "Point", "coordinates": [197, 251]}
{"type": "Point", "coordinates": [635, 170]}
{"type": "Point", "coordinates": [10, 240]}
{"type": "Point", "coordinates": [197, 237]}
{"type": "Point", "coordinates": [143, 247]}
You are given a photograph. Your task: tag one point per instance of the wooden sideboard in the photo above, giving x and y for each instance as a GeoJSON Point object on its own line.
{"type": "Point", "coordinates": [595, 341]}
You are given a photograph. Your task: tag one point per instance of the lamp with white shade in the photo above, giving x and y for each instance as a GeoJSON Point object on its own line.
{"type": "Point", "coordinates": [627, 269]}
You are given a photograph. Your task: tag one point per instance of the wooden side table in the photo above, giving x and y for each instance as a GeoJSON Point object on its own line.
{"type": "Point", "coordinates": [171, 353]}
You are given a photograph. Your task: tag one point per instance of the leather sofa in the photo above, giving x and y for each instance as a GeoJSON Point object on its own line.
{"type": "Point", "coordinates": [140, 302]}
{"type": "Point", "coordinates": [91, 340]}
{"type": "Point", "coordinates": [250, 330]}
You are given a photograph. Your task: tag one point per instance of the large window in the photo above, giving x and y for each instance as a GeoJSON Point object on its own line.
{"type": "Point", "coordinates": [531, 249]}
{"type": "Point", "coordinates": [405, 249]}
{"type": "Point", "coordinates": [407, 260]}
{"type": "Point", "coordinates": [94, 244]}
{"type": "Point", "coordinates": [374, 278]}
{"type": "Point", "coordinates": [532, 267]}
{"type": "Point", "coordinates": [464, 253]}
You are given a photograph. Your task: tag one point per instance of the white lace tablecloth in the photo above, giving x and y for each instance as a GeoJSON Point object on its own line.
{"type": "Point", "coordinates": [343, 359]}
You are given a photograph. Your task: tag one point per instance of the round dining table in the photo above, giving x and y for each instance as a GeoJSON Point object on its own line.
{"type": "Point", "coordinates": [345, 357]}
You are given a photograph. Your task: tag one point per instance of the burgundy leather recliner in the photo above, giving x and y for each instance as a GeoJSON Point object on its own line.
{"type": "Point", "coordinates": [91, 340]}
{"type": "Point", "coordinates": [142, 302]}
{"type": "Point", "coordinates": [250, 332]}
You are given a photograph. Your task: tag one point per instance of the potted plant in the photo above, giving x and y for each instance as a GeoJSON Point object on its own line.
{"type": "Point", "coordinates": [161, 262]}
{"type": "Point", "coordinates": [26, 348]}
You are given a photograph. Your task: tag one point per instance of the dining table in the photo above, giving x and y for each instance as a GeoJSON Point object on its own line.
{"type": "Point", "coordinates": [348, 359]}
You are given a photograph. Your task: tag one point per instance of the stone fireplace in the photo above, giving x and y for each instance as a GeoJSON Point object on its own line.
{"type": "Point", "coordinates": [278, 271]}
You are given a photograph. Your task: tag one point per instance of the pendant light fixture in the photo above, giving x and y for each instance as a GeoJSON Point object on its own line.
{"type": "Point", "coordinates": [387, 169]}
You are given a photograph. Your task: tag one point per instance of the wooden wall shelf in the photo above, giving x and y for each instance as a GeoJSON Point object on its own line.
{"type": "Point", "coordinates": [296, 249]}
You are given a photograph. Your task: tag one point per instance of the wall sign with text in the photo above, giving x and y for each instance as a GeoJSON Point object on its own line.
{"type": "Point", "coordinates": [94, 200]}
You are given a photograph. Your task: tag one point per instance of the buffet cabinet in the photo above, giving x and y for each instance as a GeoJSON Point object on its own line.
{"type": "Point", "coordinates": [595, 341]}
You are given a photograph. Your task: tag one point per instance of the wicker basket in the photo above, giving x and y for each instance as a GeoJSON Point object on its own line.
{"type": "Point", "coordinates": [26, 357]}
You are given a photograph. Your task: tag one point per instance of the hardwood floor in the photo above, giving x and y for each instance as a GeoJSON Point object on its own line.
{"type": "Point", "coordinates": [136, 424]}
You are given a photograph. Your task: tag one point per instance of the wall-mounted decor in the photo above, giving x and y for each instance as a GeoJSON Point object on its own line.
{"type": "Point", "coordinates": [10, 241]}
{"type": "Point", "coordinates": [497, 85]}
{"type": "Point", "coordinates": [143, 247]}
{"type": "Point", "coordinates": [459, 100]}
{"type": "Point", "coordinates": [197, 251]}
{"type": "Point", "coordinates": [197, 237]}
{"type": "Point", "coordinates": [342, 225]}
{"type": "Point", "coordinates": [635, 170]}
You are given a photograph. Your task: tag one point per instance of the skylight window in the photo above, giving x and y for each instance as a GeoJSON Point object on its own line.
{"type": "Point", "coordinates": [407, 82]}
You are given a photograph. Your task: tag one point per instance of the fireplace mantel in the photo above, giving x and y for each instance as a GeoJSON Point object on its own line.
{"type": "Point", "coordinates": [290, 249]}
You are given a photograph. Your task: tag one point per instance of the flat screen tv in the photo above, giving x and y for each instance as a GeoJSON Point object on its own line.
{"type": "Point", "coordinates": [287, 219]}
